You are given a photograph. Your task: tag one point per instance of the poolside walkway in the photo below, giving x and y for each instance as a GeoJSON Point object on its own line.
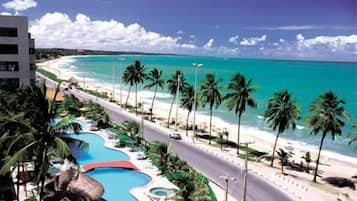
{"type": "Point", "coordinates": [111, 164]}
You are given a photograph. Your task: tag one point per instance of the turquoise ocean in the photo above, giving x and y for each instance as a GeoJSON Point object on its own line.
{"type": "Point", "coordinates": [306, 80]}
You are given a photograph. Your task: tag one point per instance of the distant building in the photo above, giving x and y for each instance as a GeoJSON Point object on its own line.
{"type": "Point", "coordinates": [17, 52]}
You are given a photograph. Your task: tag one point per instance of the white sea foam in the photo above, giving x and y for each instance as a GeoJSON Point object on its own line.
{"type": "Point", "coordinates": [300, 127]}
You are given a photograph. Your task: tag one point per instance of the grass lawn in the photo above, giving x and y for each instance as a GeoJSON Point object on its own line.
{"type": "Point", "coordinates": [50, 75]}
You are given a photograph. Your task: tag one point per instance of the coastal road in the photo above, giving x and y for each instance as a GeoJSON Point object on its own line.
{"type": "Point", "coordinates": [211, 166]}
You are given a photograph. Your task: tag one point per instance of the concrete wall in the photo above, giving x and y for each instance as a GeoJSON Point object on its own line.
{"type": "Point", "coordinates": [24, 42]}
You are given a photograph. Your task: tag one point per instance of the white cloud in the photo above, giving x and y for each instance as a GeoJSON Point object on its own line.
{"type": "Point", "coordinates": [281, 40]}
{"type": "Point", "coordinates": [336, 48]}
{"type": "Point", "coordinates": [253, 41]}
{"type": "Point", "coordinates": [59, 30]}
{"type": "Point", "coordinates": [333, 43]}
{"type": "Point", "coordinates": [192, 36]}
{"type": "Point", "coordinates": [299, 37]}
{"type": "Point", "coordinates": [303, 27]}
{"type": "Point", "coordinates": [19, 5]}
{"type": "Point", "coordinates": [209, 43]}
{"type": "Point", "coordinates": [180, 32]}
{"type": "Point", "coordinates": [5, 13]}
{"type": "Point", "coordinates": [234, 39]}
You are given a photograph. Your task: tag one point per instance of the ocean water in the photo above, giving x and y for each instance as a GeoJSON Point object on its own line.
{"type": "Point", "coordinates": [306, 80]}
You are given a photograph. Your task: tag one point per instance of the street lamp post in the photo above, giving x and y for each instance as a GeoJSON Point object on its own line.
{"type": "Point", "coordinates": [120, 83]}
{"type": "Point", "coordinates": [113, 79]}
{"type": "Point", "coordinates": [245, 176]}
{"type": "Point", "coordinates": [196, 66]}
{"type": "Point", "coordinates": [177, 100]}
{"type": "Point", "coordinates": [226, 179]}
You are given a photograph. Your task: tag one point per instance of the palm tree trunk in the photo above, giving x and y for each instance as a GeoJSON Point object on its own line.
{"type": "Point", "coordinates": [168, 119]}
{"type": "Point", "coordinates": [210, 126]}
{"type": "Point", "coordinates": [318, 157]}
{"type": "Point", "coordinates": [127, 98]}
{"type": "Point", "coordinates": [275, 143]}
{"type": "Point", "coordinates": [136, 99]}
{"type": "Point", "coordinates": [238, 135]}
{"type": "Point", "coordinates": [43, 174]}
{"type": "Point", "coordinates": [282, 168]}
{"type": "Point", "coordinates": [152, 103]}
{"type": "Point", "coordinates": [188, 116]}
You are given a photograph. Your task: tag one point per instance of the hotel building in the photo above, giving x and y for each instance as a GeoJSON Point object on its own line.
{"type": "Point", "coordinates": [17, 52]}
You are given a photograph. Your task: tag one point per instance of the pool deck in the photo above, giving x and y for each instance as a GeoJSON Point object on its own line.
{"type": "Point", "coordinates": [144, 166]}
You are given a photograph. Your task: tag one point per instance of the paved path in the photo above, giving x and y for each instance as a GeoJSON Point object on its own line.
{"type": "Point", "coordinates": [210, 165]}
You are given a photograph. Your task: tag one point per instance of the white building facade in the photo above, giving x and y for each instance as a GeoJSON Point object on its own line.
{"type": "Point", "coordinates": [17, 52]}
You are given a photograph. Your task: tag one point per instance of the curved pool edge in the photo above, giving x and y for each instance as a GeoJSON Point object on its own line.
{"type": "Point", "coordinates": [108, 143]}
{"type": "Point", "coordinates": [145, 166]}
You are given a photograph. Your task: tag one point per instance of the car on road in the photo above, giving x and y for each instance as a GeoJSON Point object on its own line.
{"type": "Point", "coordinates": [175, 136]}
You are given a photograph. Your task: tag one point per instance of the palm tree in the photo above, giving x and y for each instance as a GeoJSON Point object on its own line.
{"type": "Point", "coordinates": [42, 132]}
{"type": "Point", "coordinates": [128, 78]}
{"type": "Point", "coordinates": [326, 116]}
{"type": "Point", "coordinates": [210, 94]}
{"type": "Point", "coordinates": [97, 113]}
{"type": "Point", "coordinates": [177, 80]}
{"type": "Point", "coordinates": [134, 75]}
{"type": "Point", "coordinates": [155, 80]}
{"type": "Point", "coordinates": [284, 158]}
{"type": "Point", "coordinates": [187, 100]}
{"type": "Point", "coordinates": [308, 160]}
{"type": "Point", "coordinates": [281, 114]}
{"type": "Point", "coordinates": [132, 129]}
{"type": "Point", "coordinates": [239, 98]}
{"type": "Point", "coordinates": [139, 78]}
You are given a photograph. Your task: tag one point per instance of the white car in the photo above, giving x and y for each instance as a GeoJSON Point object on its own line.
{"type": "Point", "coordinates": [175, 136]}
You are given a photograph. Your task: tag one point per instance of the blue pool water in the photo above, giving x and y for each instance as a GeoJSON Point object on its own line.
{"type": "Point", "coordinates": [117, 182]}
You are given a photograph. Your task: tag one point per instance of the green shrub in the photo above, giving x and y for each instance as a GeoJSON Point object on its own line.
{"type": "Point", "coordinates": [30, 199]}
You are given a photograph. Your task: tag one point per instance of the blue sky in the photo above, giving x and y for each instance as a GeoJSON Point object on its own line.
{"type": "Point", "coordinates": [280, 29]}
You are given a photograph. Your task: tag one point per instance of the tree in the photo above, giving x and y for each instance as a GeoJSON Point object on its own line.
{"type": "Point", "coordinates": [97, 113]}
{"type": "Point", "coordinates": [139, 78]}
{"type": "Point", "coordinates": [155, 80]}
{"type": "Point", "coordinates": [327, 114]}
{"type": "Point", "coordinates": [210, 94]}
{"type": "Point", "coordinates": [134, 75]}
{"type": "Point", "coordinates": [281, 114]}
{"type": "Point", "coordinates": [187, 100]}
{"type": "Point", "coordinates": [128, 78]}
{"type": "Point", "coordinates": [308, 160]}
{"type": "Point", "coordinates": [239, 97]}
{"type": "Point", "coordinates": [177, 80]}
{"type": "Point", "coordinates": [284, 158]}
{"type": "Point", "coordinates": [37, 125]}
{"type": "Point", "coordinates": [132, 129]}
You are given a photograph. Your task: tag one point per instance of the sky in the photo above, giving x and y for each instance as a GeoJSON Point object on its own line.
{"type": "Point", "coordinates": [276, 29]}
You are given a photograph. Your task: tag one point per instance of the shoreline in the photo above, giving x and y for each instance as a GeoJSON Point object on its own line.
{"type": "Point", "coordinates": [263, 139]}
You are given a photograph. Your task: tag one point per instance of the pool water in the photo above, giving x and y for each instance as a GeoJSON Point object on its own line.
{"type": "Point", "coordinates": [116, 182]}
{"type": "Point", "coordinates": [160, 191]}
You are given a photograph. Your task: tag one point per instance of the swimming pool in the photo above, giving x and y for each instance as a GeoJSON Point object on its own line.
{"type": "Point", "coordinates": [116, 182]}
